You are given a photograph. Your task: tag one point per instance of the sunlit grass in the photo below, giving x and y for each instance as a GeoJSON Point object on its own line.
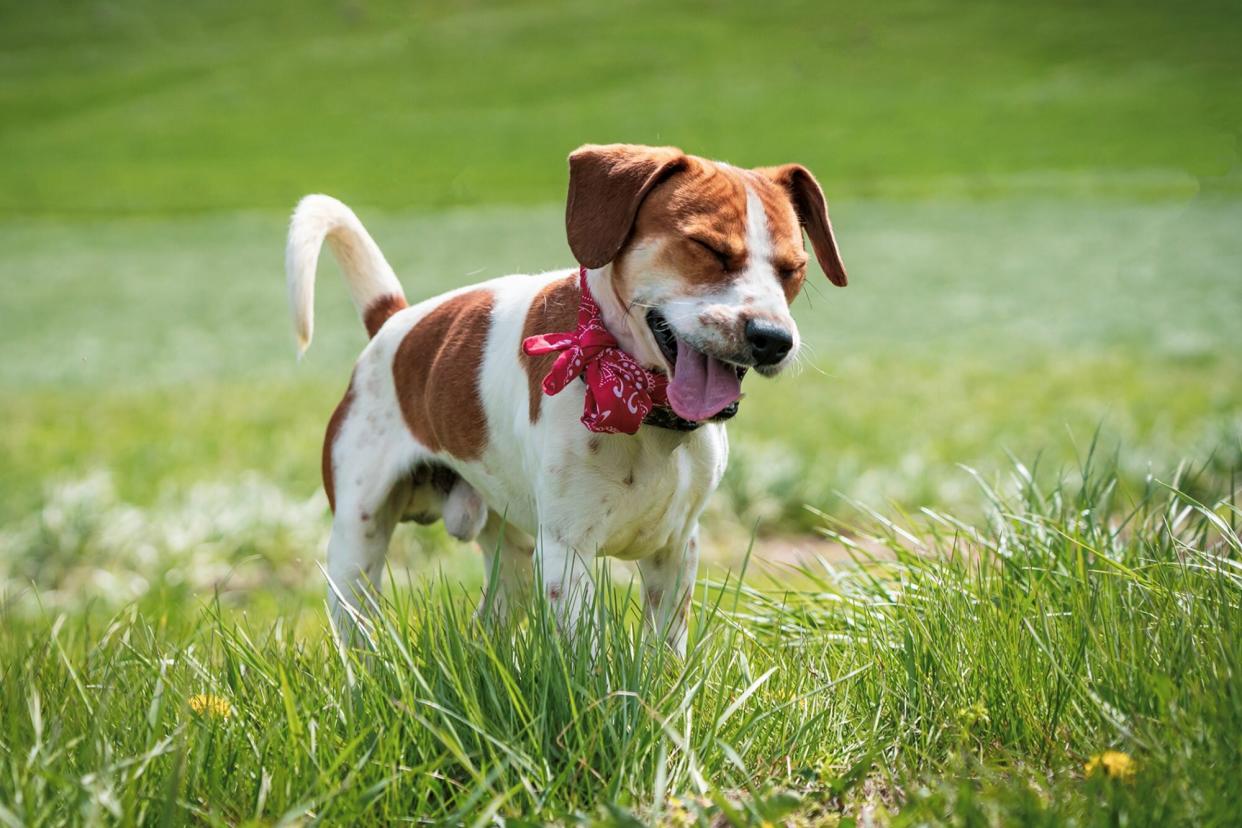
{"type": "Point", "coordinates": [1038, 206]}
{"type": "Point", "coordinates": [159, 351]}
{"type": "Point", "coordinates": [1006, 652]}
{"type": "Point", "coordinates": [152, 107]}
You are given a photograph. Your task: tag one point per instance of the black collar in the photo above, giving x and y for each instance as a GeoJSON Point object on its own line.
{"type": "Point", "coordinates": [663, 417]}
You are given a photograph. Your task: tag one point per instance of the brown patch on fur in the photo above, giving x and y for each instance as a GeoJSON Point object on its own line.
{"type": "Point", "coordinates": [554, 308]}
{"type": "Point", "coordinates": [436, 372]}
{"type": "Point", "coordinates": [329, 440]}
{"type": "Point", "coordinates": [699, 212]}
{"type": "Point", "coordinates": [607, 183]}
{"type": "Point", "coordinates": [378, 311]}
{"type": "Point", "coordinates": [593, 445]}
{"type": "Point", "coordinates": [812, 210]}
{"type": "Point", "coordinates": [696, 210]}
{"type": "Point", "coordinates": [629, 478]}
{"type": "Point", "coordinates": [715, 316]}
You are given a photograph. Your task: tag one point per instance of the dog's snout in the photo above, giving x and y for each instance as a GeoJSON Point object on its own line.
{"type": "Point", "coordinates": [769, 342]}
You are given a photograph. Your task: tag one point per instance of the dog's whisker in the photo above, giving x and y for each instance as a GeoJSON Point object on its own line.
{"type": "Point", "coordinates": [804, 361]}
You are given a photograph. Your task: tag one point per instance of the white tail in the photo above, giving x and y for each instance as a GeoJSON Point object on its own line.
{"type": "Point", "coordinates": [367, 273]}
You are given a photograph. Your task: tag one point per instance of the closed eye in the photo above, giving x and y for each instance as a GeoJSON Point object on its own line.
{"type": "Point", "coordinates": [721, 256]}
{"type": "Point", "coordinates": [788, 271]}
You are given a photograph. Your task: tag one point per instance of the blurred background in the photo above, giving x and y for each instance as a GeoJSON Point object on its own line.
{"type": "Point", "coordinates": [1039, 205]}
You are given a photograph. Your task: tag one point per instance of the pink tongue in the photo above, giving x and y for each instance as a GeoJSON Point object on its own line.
{"type": "Point", "coordinates": [701, 385]}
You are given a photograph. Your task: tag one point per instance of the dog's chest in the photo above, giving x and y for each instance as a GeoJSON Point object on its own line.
{"type": "Point", "coordinates": [645, 492]}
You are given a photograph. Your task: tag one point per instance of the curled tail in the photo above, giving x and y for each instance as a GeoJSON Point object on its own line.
{"type": "Point", "coordinates": [372, 285]}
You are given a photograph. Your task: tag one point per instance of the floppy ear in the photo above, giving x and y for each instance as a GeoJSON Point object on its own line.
{"type": "Point", "coordinates": [607, 183]}
{"type": "Point", "coordinates": [812, 208]}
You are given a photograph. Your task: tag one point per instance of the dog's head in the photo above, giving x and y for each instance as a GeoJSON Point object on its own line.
{"type": "Point", "coordinates": [706, 257]}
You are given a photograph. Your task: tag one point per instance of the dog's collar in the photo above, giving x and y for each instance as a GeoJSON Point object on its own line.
{"type": "Point", "coordinates": [621, 394]}
{"type": "Point", "coordinates": [663, 416]}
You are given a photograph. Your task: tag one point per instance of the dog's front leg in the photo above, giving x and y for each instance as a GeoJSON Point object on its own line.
{"type": "Point", "coordinates": [668, 581]}
{"type": "Point", "coordinates": [507, 568]}
{"type": "Point", "coordinates": [568, 584]}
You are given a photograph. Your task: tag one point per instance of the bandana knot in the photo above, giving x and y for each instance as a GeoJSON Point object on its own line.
{"type": "Point", "coordinates": [620, 391]}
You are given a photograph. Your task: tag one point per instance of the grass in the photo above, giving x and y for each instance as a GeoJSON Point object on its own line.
{"type": "Point", "coordinates": [1038, 206]}
{"type": "Point", "coordinates": [967, 680]}
{"type": "Point", "coordinates": [148, 107]}
{"type": "Point", "coordinates": [968, 328]}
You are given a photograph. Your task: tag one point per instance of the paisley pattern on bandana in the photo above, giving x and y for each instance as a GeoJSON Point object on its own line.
{"type": "Point", "coordinates": [620, 391]}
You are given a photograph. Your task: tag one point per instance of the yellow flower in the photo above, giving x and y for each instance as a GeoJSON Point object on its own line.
{"type": "Point", "coordinates": [1115, 764]}
{"type": "Point", "coordinates": [974, 714]}
{"type": "Point", "coordinates": [678, 815]}
{"type": "Point", "coordinates": [205, 704]}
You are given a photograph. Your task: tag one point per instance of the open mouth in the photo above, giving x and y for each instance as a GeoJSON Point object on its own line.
{"type": "Point", "coordinates": [701, 387]}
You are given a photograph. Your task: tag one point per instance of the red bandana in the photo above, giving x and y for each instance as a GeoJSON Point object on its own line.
{"type": "Point", "coordinates": [620, 392]}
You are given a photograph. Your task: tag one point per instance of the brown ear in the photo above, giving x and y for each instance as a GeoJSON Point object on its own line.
{"type": "Point", "coordinates": [812, 208]}
{"type": "Point", "coordinates": [607, 183]}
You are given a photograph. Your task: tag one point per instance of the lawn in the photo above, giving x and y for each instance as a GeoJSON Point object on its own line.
{"type": "Point", "coordinates": [1039, 208]}
{"type": "Point", "coordinates": [145, 107]}
{"type": "Point", "coordinates": [970, 329]}
{"type": "Point", "coordinates": [1074, 660]}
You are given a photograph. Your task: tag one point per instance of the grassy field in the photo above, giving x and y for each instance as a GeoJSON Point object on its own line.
{"type": "Point", "coordinates": [1039, 208]}
{"type": "Point", "coordinates": [970, 680]}
{"type": "Point", "coordinates": [970, 329]}
{"type": "Point", "coordinates": [138, 107]}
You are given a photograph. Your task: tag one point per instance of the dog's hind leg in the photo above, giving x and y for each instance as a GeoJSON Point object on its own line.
{"type": "Point", "coordinates": [361, 531]}
{"type": "Point", "coordinates": [367, 468]}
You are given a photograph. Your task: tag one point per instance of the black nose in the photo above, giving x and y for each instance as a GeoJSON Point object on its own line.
{"type": "Point", "coordinates": [769, 342]}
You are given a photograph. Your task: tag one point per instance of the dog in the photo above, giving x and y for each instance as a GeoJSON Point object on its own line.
{"type": "Point", "coordinates": [467, 407]}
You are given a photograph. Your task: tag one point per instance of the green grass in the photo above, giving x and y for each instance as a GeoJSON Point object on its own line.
{"type": "Point", "coordinates": [150, 107]}
{"type": "Point", "coordinates": [159, 349]}
{"type": "Point", "coordinates": [1038, 205]}
{"type": "Point", "coordinates": [966, 681]}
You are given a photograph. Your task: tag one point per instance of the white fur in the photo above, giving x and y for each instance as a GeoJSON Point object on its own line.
{"type": "Point", "coordinates": [366, 270]}
{"type": "Point", "coordinates": [537, 487]}
{"type": "Point", "coordinates": [711, 321]}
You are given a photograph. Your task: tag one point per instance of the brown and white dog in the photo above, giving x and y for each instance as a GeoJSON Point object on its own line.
{"type": "Point", "coordinates": [692, 262]}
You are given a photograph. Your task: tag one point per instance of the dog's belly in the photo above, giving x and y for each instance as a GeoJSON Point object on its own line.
{"type": "Point", "coordinates": [515, 506]}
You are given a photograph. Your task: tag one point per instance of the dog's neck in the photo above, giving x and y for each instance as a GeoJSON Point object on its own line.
{"type": "Point", "coordinates": [630, 330]}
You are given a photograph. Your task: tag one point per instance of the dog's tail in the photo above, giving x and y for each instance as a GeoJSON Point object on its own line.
{"type": "Point", "coordinates": [372, 285]}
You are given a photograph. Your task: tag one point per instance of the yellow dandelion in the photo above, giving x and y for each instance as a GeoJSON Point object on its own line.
{"type": "Point", "coordinates": [206, 704]}
{"type": "Point", "coordinates": [1114, 763]}
{"type": "Point", "coordinates": [677, 815]}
